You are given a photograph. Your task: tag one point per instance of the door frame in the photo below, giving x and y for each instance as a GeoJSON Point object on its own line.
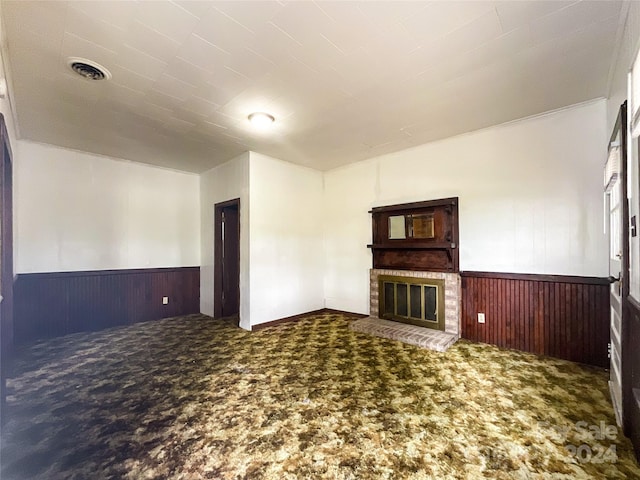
{"type": "Point", "coordinates": [6, 261]}
{"type": "Point", "coordinates": [621, 124]}
{"type": "Point", "coordinates": [625, 269]}
{"type": "Point", "coordinates": [630, 306]}
{"type": "Point", "coordinates": [618, 301]}
{"type": "Point", "coordinates": [621, 127]}
{"type": "Point", "coordinates": [218, 271]}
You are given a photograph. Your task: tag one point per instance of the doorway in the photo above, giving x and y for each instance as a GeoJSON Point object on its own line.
{"type": "Point", "coordinates": [625, 310]}
{"type": "Point", "coordinates": [617, 215]}
{"type": "Point", "coordinates": [226, 282]}
{"type": "Point", "coordinates": [630, 324]}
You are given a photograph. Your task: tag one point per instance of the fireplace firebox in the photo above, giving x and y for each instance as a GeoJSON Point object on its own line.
{"type": "Point", "coordinates": [418, 301]}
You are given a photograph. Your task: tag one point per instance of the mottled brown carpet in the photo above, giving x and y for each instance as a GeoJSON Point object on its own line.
{"type": "Point", "coordinates": [192, 397]}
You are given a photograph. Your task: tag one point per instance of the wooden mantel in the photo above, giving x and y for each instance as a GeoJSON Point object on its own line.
{"type": "Point", "coordinates": [429, 241]}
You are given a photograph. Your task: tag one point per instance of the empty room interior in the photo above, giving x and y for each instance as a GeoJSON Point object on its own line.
{"type": "Point", "coordinates": [320, 239]}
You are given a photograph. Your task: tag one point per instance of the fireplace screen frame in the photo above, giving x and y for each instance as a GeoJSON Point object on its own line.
{"type": "Point", "coordinates": [438, 324]}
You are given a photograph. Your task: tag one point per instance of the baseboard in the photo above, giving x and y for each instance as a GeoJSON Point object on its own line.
{"type": "Point", "coordinates": [294, 318]}
{"type": "Point", "coordinates": [58, 303]}
{"type": "Point", "coordinates": [344, 312]}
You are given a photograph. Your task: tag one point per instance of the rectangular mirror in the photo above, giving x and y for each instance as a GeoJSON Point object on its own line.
{"type": "Point", "coordinates": [421, 226]}
{"type": "Point", "coordinates": [396, 227]}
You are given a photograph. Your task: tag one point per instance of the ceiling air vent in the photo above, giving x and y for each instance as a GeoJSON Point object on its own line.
{"type": "Point", "coordinates": [88, 69]}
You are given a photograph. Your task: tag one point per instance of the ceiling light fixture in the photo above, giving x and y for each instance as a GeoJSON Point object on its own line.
{"type": "Point", "coordinates": [261, 119]}
{"type": "Point", "coordinates": [88, 69]}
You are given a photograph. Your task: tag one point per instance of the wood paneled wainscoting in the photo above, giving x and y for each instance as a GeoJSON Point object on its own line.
{"type": "Point", "coordinates": [560, 316]}
{"type": "Point", "coordinates": [54, 304]}
{"type": "Point", "coordinates": [631, 372]}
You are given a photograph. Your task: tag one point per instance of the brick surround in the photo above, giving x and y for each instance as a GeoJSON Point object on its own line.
{"type": "Point", "coordinates": [452, 294]}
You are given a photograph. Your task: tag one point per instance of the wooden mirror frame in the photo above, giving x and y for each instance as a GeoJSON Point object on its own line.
{"type": "Point", "coordinates": [439, 253]}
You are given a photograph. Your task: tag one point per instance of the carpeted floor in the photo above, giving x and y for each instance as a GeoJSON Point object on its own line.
{"type": "Point", "coordinates": [194, 398]}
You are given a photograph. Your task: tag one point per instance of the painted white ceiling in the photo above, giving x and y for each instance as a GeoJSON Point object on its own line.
{"type": "Point", "coordinates": [345, 80]}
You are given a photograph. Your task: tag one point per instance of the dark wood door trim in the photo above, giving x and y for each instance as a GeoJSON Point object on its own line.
{"type": "Point", "coordinates": [217, 253]}
{"type": "Point", "coordinates": [229, 203]}
{"type": "Point", "coordinates": [231, 263]}
{"type": "Point", "coordinates": [622, 126]}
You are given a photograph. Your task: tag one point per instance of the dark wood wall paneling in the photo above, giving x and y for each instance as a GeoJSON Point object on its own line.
{"type": "Point", "coordinates": [631, 372]}
{"type": "Point", "coordinates": [560, 316]}
{"type": "Point", "coordinates": [53, 304]}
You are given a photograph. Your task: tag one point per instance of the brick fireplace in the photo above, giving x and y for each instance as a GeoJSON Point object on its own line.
{"type": "Point", "coordinates": [418, 242]}
{"type": "Point", "coordinates": [452, 294]}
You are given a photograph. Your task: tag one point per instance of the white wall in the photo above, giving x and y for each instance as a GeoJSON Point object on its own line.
{"type": "Point", "coordinates": [77, 211]}
{"type": "Point", "coordinates": [225, 182]}
{"type": "Point", "coordinates": [530, 200]}
{"type": "Point", "coordinates": [286, 252]}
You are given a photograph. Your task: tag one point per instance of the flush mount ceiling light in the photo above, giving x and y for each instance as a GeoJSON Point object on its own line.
{"type": "Point", "coordinates": [261, 119]}
{"type": "Point", "coordinates": [88, 69]}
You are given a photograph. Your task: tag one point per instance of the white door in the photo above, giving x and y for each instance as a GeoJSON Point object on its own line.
{"type": "Point", "coordinates": [614, 211]}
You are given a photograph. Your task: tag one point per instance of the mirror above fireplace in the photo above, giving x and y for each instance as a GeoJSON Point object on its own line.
{"type": "Point", "coordinates": [418, 226]}
{"type": "Point", "coordinates": [416, 236]}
